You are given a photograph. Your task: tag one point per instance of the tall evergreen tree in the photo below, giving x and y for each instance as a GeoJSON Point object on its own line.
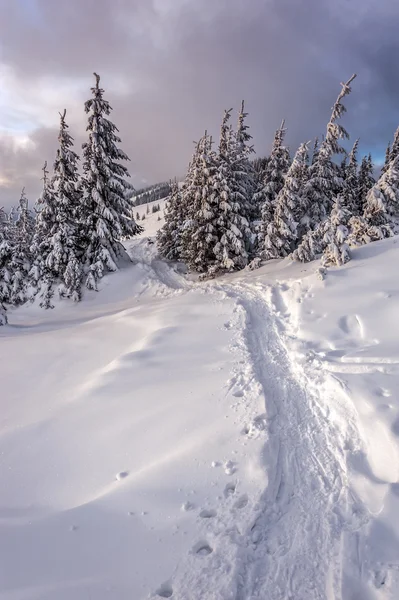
{"type": "Point", "coordinates": [350, 198]}
{"type": "Point", "coordinates": [394, 153]}
{"type": "Point", "coordinates": [382, 205]}
{"type": "Point", "coordinates": [169, 236]}
{"type": "Point", "coordinates": [41, 275]}
{"type": "Point", "coordinates": [336, 249]}
{"type": "Point", "coordinates": [190, 191]}
{"type": "Point", "coordinates": [5, 257]}
{"type": "Point", "coordinates": [200, 244]}
{"type": "Point", "coordinates": [324, 177]}
{"type": "Point", "coordinates": [243, 169]}
{"type": "Point", "coordinates": [21, 258]}
{"type": "Point", "coordinates": [315, 151]}
{"type": "Point", "coordinates": [107, 214]}
{"type": "Point", "coordinates": [365, 182]}
{"type": "Point", "coordinates": [282, 232]}
{"type": "Point", "coordinates": [232, 227]}
{"type": "Point", "coordinates": [310, 246]}
{"type": "Point", "coordinates": [64, 242]}
{"type": "Point", "coordinates": [387, 158]}
{"type": "Point", "coordinates": [272, 184]}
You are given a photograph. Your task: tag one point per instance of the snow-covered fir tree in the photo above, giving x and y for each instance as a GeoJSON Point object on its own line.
{"type": "Point", "coordinates": [5, 257]}
{"type": "Point", "coordinates": [387, 158]}
{"type": "Point", "coordinates": [203, 227]}
{"type": "Point", "coordinates": [310, 246]}
{"type": "Point", "coordinates": [272, 184]}
{"type": "Point", "coordinates": [382, 205]}
{"type": "Point", "coordinates": [169, 236]}
{"type": "Point", "coordinates": [260, 165]}
{"type": "Point", "coordinates": [394, 152]}
{"type": "Point", "coordinates": [343, 169]}
{"type": "Point", "coordinates": [190, 191]}
{"type": "Point", "coordinates": [41, 276]}
{"type": "Point", "coordinates": [282, 232]}
{"type": "Point", "coordinates": [365, 182]}
{"type": "Point", "coordinates": [324, 175]}
{"type": "Point", "coordinates": [350, 188]}
{"type": "Point", "coordinates": [232, 227]}
{"type": "Point", "coordinates": [22, 232]}
{"type": "Point", "coordinates": [315, 151]}
{"type": "Point", "coordinates": [335, 235]}
{"type": "Point", "coordinates": [64, 240]}
{"type": "Point", "coordinates": [242, 166]}
{"type": "Point", "coordinates": [107, 213]}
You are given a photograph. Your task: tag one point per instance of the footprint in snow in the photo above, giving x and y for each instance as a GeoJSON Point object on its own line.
{"type": "Point", "coordinates": [384, 392]}
{"type": "Point", "coordinates": [207, 513]}
{"type": "Point", "coordinates": [229, 490]}
{"type": "Point", "coordinates": [230, 467]}
{"type": "Point", "coordinates": [241, 502]}
{"type": "Point", "coordinates": [187, 506]}
{"type": "Point", "coordinates": [165, 591]}
{"type": "Point", "coordinates": [202, 548]}
{"type": "Point", "coordinates": [380, 579]}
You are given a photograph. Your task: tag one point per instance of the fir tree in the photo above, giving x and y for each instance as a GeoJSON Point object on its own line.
{"type": "Point", "coordinates": [351, 183]}
{"type": "Point", "coordinates": [243, 170]}
{"type": "Point", "coordinates": [169, 237]}
{"type": "Point", "coordinates": [343, 169]}
{"type": "Point", "coordinates": [315, 152]}
{"type": "Point", "coordinates": [5, 257]}
{"type": "Point", "coordinates": [394, 153]}
{"type": "Point", "coordinates": [273, 182]}
{"type": "Point", "coordinates": [190, 192]}
{"type": "Point", "coordinates": [382, 205]}
{"type": "Point", "coordinates": [107, 214]}
{"type": "Point", "coordinates": [232, 227]}
{"type": "Point", "coordinates": [21, 254]}
{"type": "Point", "coordinates": [204, 225]}
{"type": "Point", "coordinates": [41, 276]}
{"type": "Point", "coordinates": [387, 158]}
{"type": "Point", "coordinates": [282, 232]}
{"type": "Point", "coordinates": [365, 182]}
{"type": "Point", "coordinates": [324, 177]}
{"type": "Point", "coordinates": [260, 166]}
{"type": "Point", "coordinates": [310, 246]}
{"type": "Point", "coordinates": [64, 242]}
{"type": "Point", "coordinates": [336, 250]}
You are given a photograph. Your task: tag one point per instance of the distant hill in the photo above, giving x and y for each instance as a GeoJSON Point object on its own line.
{"type": "Point", "coordinates": [151, 193]}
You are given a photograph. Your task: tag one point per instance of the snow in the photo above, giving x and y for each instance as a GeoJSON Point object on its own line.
{"type": "Point", "coordinates": [236, 439]}
{"type": "Point", "coordinates": [150, 223]}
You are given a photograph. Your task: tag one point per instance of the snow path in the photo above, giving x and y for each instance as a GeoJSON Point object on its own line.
{"type": "Point", "coordinates": [293, 549]}
{"type": "Point", "coordinates": [294, 543]}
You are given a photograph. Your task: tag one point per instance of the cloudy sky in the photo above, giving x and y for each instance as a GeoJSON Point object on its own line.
{"type": "Point", "coordinates": [170, 67]}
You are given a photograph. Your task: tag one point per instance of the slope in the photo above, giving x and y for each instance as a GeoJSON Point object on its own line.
{"type": "Point", "coordinates": [235, 439]}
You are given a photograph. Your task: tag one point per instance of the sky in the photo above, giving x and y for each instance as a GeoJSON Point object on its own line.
{"type": "Point", "coordinates": [170, 68]}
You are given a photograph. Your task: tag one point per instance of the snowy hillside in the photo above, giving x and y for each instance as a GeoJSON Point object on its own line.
{"type": "Point", "coordinates": [230, 440]}
{"type": "Point", "coordinates": [152, 221]}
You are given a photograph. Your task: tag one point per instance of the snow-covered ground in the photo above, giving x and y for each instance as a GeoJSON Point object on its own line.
{"type": "Point", "coordinates": [230, 440]}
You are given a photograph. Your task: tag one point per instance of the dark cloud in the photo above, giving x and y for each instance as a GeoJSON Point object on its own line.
{"type": "Point", "coordinates": [171, 66]}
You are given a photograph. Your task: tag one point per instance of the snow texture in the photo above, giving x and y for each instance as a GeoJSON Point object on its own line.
{"type": "Point", "coordinates": [234, 439]}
